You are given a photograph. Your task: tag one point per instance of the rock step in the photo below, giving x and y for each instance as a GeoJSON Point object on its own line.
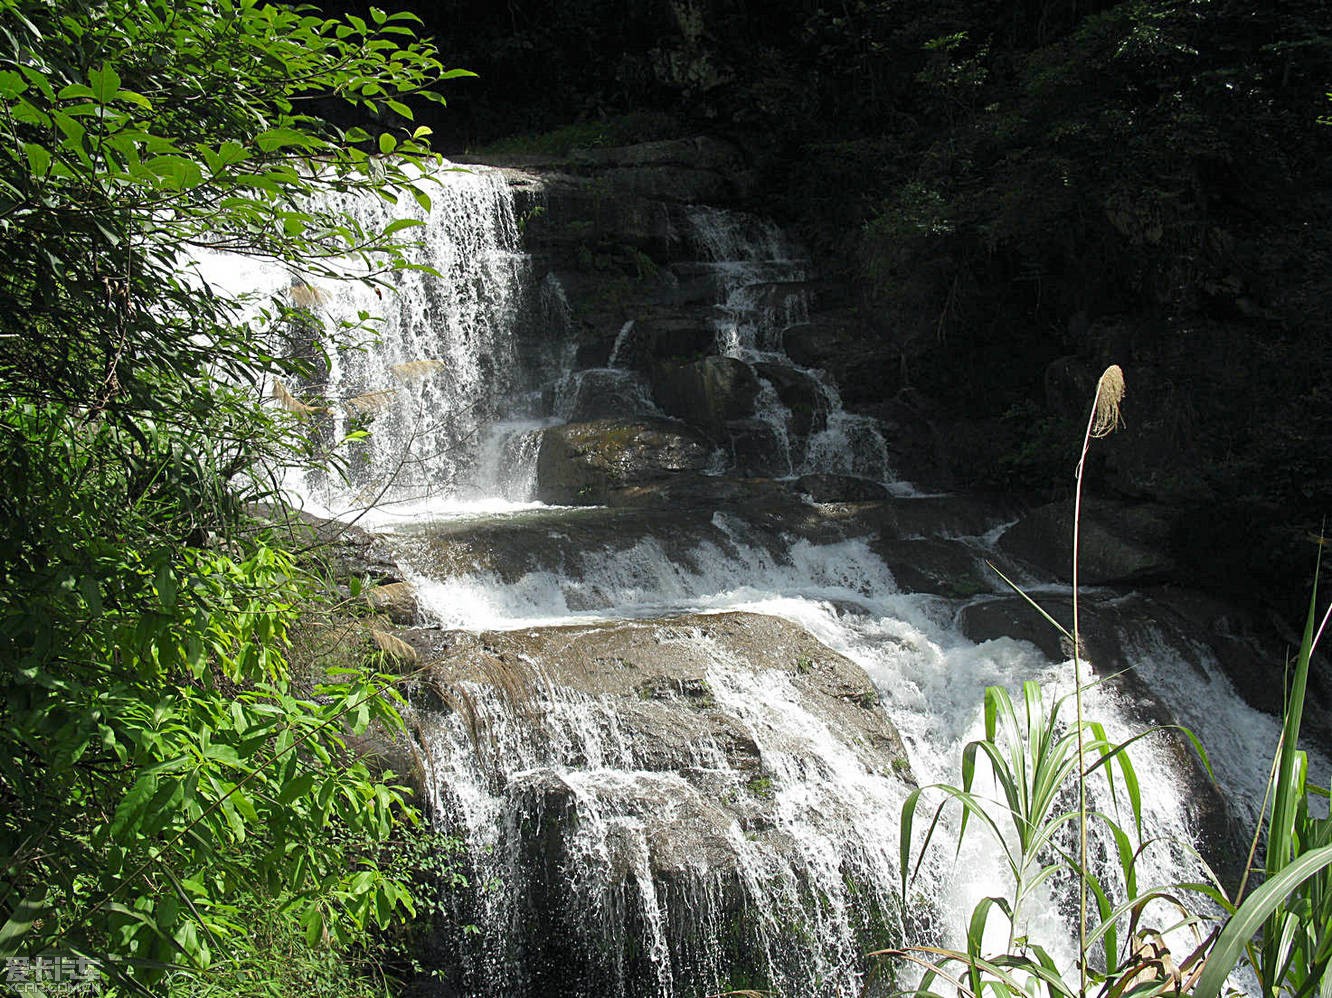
{"type": "Point", "coordinates": [682, 754]}
{"type": "Point", "coordinates": [735, 533]}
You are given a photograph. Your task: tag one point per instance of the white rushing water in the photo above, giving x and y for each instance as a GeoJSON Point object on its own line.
{"type": "Point", "coordinates": [563, 805]}
{"type": "Point", "coordinates": [434, 372]}
{"type": "Point", "coordinates": [931, 679]}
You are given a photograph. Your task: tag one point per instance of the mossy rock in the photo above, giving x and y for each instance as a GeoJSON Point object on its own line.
{"type": "Point", "coordinates": [583, 463]}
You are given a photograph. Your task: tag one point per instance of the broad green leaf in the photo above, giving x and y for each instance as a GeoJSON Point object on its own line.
{"type": "Point", "coordinates": [11, 84]}
{"type": "Point", "coordinates": [313, 920]}
{"type": "Point", "coordinates": [132, 805]}
{"type": "Point", "coordinates": [76, 91]}
{"type": "Point", "coordinates": [105, 83]}
{"type": "Point", "coordinates": [398, 224]}
{"type": "Point", "coordinates": [282, 137]}
{"type": "Point", "coordinates": [1240, 928]}
{"type": "Point", "coordinates": [131, 97]}
{"type": "Point", "coordinates": [27, 912]}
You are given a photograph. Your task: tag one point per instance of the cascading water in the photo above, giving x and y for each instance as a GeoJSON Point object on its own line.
{"type": "Point", "coordinates": [928, 675]}
{"type": "Point", "coordinates": [688, 796]}
{"type": "Point", "coordinates": [760, 278]}
{"type": "Point", "coordinates": [650, 866]}
{"type": "Point", "coordinates": [437, 371]}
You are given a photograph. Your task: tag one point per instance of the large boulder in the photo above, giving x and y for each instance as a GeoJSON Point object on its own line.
{"type": "Point", "coordinates": [759, 447]}
{"type": "Point", "coordinates": [574, 546]}
{"type": "Point", "coordinates": [603, 393]}
{"type": "Point", "coordinates": [827, 488]}
{"type": "Point", "coordinates": [646, 769]}
{"type": "Point", "coordinates": [563, 214]}
{"type": "Point", "coordinates": [866, 365]}
{"type": "Point", "coordinates": [931, 516]}
{"type": "Point", "coordinates": [667, 336]}
{"type": "Point", "coordinates": [801, 394]}
{"type": "Point", "coordinates": [656, 672]}
{"type": "Point", "coordinates": [935, 565]}
{"type": "Point", "coordinates": [706, 393]}
{"type": "Point", "coordinates": [817, 343]}
{"type": "Point", "coordinates": [583, 463]}
{"type": "Point", "coordinates": [1118, 543]}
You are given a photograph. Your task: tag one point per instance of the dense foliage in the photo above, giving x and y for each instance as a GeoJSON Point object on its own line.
{"type": "Point", "coordinates": [177, 793]}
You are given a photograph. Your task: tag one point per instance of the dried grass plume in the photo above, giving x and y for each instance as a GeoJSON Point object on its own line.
{"type": "Point", "coordinates": [1109, 393]}
{"type": "Point", "coordinates": [394, 647]}
{"type": "Point", "coordinates": [371, 401]}
{"type": "Point", "coordinates": [305, 295]}
{"type": "Point", "coordinates": [415, 370]}
{"type": "Point", "coordinates": [290, 402]}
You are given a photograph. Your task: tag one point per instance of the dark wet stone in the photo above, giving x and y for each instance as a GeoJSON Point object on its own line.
{"type": "Point", "coordinates": [840, 488]}
{"type": "Point", "coordinates": [582, 463]}
{"type": "Point", "coordinates": [1118, 543]}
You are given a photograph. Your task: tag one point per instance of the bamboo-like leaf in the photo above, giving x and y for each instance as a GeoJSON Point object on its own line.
{"type": "Point", "coordinates": [1036, 606]}
{"type": "Point", "coordinates": [415, 370]}
{"type": "Point", "coordinates": [394, 646]}
{"type": "Point", "coordinates": [1241, 926]}
{"type": "Point", "coordinates": [1279, 843]}
{"type": "Point", "coordinates": [980, 917]}
{"type": "Point", "coordinates": [26, 913]}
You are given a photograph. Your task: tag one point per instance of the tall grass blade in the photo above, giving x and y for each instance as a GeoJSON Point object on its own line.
{"type": "Point", "coordinates": [25, 914]}
{"type": "Point", "coordinates": [1281, 829]}
{"type": "Point", "coordinates": [1262, 903]}
{"type": "Point", "coordinates": [1034, 605]}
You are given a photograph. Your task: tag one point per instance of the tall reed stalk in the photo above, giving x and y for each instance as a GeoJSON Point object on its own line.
{"type": "Point", "coordinates": [1101, 422]}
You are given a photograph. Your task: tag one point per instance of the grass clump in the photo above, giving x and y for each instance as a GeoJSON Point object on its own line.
{"type": "Point", "coordinates": [1043, 768]}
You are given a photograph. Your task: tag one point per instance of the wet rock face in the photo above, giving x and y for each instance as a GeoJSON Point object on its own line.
{"type": "Point", "coordinates": [867, 366]}
{"type": "Point", "coordinates": [706, 393]}
{"type": "Point", "coordinates": [934, 565]}
{"type": "Point", "coordinates": [826, 488]}
{"type": "Point", "coordinates": [657, 672]}
{"type": "Point", "coordinates": [647, 772]}
{"type": "Point", "coordinates": [397, 601]}
{"type": "Point", "coordinates": [670, 337]}
{"type": "Point", "coordinates": [659, 279]}
{"type": "Point", "coordinates": [607, 394]}
{"type": "Point", "coordinates": [800, 394]}
{"type": "Point", "coordinates": [583, 463]}
{"type": "Point", "coordinates": [345, 550]}
{"type": "Point", "coordinates": [1118, 544]}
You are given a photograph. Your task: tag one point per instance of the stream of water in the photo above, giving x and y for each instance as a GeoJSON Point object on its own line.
{"type": "Point", "coordinates": [583, 846]}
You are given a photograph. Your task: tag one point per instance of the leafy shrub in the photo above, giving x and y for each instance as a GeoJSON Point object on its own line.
{"type": "Point", "coordinates": [166, 773]}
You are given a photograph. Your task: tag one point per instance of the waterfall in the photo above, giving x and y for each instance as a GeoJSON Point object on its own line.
{"type": "Point", "coordinates": [433, 368]}
{"type": "Point", "coordinates": [760, 277]}
{"type": "Point", "coordinates": [840, 821]}
{"type": "Point", "coordinates": [660, 881]}
{"type": "Point", "coordinates": [717, 709]}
